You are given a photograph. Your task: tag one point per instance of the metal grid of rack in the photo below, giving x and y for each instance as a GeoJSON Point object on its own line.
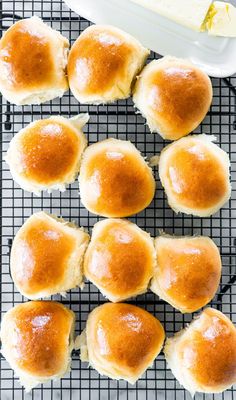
{"type": "Point", "coordinates": [116, 120]}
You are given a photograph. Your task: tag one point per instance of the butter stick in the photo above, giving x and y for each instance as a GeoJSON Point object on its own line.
{"type": "Point", "coordinates": [189, 13]}
{"type": "Point", "coordinates": [221, 20]}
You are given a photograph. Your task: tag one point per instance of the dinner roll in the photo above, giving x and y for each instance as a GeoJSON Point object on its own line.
{"type": "Point", "coordinates": [37, 340]}
{"type": "Point", "coordinates": [174, 96]}
{"type": "Point", "coordinates": [46, 154]}
{"type": "Point", "coordinates": [120, 259]}
{"type": "Point", "coordinates": [103, 63]}
{"type": "Point", "coordinates": [188, 271]}
{"type": "Point", "coordinates": [121, 341]}
{"type": "Point", "coordinates": [47, 255]}
{"type": "Point", "coordinates": [203, 356]}
{"type": "Point", "coordinates": [195, 175]}
{"type": "Point", "coordinates": [115, 180]}
{"type": "Point", "coordinates": [33, 59]}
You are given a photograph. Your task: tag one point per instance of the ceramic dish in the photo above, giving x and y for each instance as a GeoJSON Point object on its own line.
{"type": "Point", "coordinates": [215, 55]}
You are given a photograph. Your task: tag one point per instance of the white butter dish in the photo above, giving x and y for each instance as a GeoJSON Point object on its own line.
{"type": "Point", "coordinates": [215, 55]}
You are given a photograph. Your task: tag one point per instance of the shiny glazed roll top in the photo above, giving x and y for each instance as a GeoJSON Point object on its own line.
{"type": "Point", "coordinates": [46, 154]}
{"type": "Point", "coordinates": [33, 59]}
{"type": "Point", "coordinates": [195, 175]}
{"type": "Point", "coordinates": [47, 256]}
{"type": "Point", "coordinates": [37, 339]}
{"type": "Point", "coordinates": [103, 63]}
{"type": "Point", "coordinates": [188, 271]}
{"type": "Point", "coordinates": [120, 259]}
{"type": "Point", "coordinates": [122, 341]}
{"type": "Point", "coordinates": [203, 356]}
{"type": "Point", "coordinates": [115, 180]}
{"type": "Point", "coordinates": [173, 95]}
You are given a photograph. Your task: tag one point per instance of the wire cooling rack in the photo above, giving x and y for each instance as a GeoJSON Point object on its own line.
{"type": "Point", "coordinates": [117, 120]}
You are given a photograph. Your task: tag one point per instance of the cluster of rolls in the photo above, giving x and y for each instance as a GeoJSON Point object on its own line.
{"type": "Point", "coordinates": [50, 256]}
{"type": "Point", "coordinates": [120, 341]}
{"type": "Point", "coordinates": [114, 178]}
{"type": "Point", "coordinates": [106, 64]}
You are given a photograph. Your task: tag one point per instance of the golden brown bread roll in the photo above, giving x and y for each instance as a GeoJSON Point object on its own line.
{"type": "Point", "coordinates": [102, 64]}
{"type": "Point", "coordinates": [120, 259]}
{"type": "Point", "coordinates": [188, 271]}
{"type": "Point", "coordinates": [115, 180]}
{"type": "Point", "coordinates": [121, 341]}
{"type": "Point", "coordinates": [47, 256]}
{"type": "Point", "coordinates": [195, 175]}
{"type": "Point", "coordinates": [174, 96]}
{"type": "Point", "coordinates": [33, 59]}
{"type": "Point", "coordinates": [203, 356]}
{"type": "Point", "coordinates": [37, 339]}
{"type": "Point", "coordinates": [46, 154]}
